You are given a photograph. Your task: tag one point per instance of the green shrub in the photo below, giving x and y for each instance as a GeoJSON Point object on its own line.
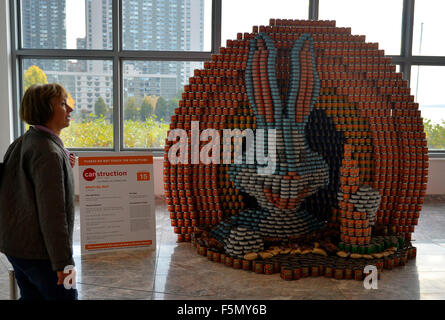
{"type": "Point", "coordinates": [145, 134]}
{"type": "Point", "coordinates": [97, 132]}
{"type": "Point", "coordinates": [435, 134]}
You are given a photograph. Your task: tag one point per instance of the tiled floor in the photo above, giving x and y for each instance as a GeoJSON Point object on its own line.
{"type": "Point", "coordinates": [175, 271]}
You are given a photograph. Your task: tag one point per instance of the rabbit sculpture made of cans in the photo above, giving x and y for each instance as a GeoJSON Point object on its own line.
{"type": "Point", "coordinates": [351, 153]}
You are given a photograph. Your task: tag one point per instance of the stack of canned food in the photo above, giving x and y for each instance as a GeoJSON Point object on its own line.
{"type": "Point", "coordinates": [297, 266]}
{"type": "Point", "coordinates": [364, 131]}
{"type": "Point", "coordinates": [358, 203]}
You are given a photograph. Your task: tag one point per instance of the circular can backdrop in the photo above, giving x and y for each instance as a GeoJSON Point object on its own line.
{"type": "Point", "coordinates": [298, 145]}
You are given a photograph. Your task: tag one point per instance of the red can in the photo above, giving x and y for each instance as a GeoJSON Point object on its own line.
{"type": "Point", "coordinates": [338, 273]}
{"type": "Point", "coordinates": [259, 267]}
{"type": "Point", "coordinates": [268, 268]}
{"type": "Point", "coordinates": [229, 261]}
{"type": "Point", "coordinates": [328, 272]}
{"type": "Point", "coordinates": [358, 274]}
{"type": "Point", "coordinates": [237, 264]}
{"type": "Point", "coordinates": [286, 274]}
{"type": "Point", "coordinates": [247, 265]}
{"type": "Point", "coordinates": [296, 273]}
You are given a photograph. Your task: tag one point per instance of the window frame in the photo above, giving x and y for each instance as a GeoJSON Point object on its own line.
{"type": "Point", "coordinates": [407, 60]}
{"type": "Point", "coordinates": [117, 55]}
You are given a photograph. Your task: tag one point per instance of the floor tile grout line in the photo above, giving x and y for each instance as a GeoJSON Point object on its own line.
{"type": "Point", "coordinates": [147, 291]}
{"type": "Point", "coordinates": [340, 290]}
{"type": "Point", "coordinates": [113, 287]}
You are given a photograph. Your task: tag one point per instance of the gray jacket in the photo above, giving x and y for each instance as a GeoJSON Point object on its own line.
{"type": "Point", "coordinates": [37, 200]}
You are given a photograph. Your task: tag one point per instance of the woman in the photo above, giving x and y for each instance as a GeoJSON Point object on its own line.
{"type": "Point", "coordinates": [37, 198]}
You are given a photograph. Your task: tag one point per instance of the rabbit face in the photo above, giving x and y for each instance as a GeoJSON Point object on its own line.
{"type": "Point", "coordinates": [299, 172]}
{"type": "Point", "coordinates": [284, 190]}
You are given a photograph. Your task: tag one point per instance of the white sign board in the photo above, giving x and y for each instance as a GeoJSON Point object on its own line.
{"type": "Point", "coordinates": [117, 208]}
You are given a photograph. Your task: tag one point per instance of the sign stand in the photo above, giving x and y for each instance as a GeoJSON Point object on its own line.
{"type": "Point", "coordinates": [117, 207]}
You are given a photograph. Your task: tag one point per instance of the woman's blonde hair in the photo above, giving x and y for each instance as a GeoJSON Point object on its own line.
{"type": "Point", "coordinates": [36, 108]}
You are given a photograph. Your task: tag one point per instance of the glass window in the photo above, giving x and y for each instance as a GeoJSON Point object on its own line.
{"type": "Point", "coordinates": [91, 124]}
{"type": "Point", "coordinates": [428, 28]}
{"type": "Point", "coordinates": [379, 20]}
{"type": "Point", "coordinates": [64, 24]}
{"type": "Point", "coordinates": [241, 16]}
{"type": "Point", "coordinates": [427, 87]}
{"type": "Point", "coordinates": [171, 27]}
{"type": "Point", "coordinates": [152, 90]}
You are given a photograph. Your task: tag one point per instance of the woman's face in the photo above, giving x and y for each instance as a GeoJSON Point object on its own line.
{"type": "Point", "coordinates": [61, 114]}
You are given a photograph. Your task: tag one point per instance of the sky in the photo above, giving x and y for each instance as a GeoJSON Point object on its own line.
{"type": "Point", "coordinates": [75, 22]}
{"type": "Point", "coordinates": [379, 20]}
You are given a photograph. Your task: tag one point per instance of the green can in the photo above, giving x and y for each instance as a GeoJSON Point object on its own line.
{"type": "Point", "coordinates": [341, 246]}
{"type": "Point", "coordinates": [370, 249]}
{"type": "Point", "coordinates": [380, 247]}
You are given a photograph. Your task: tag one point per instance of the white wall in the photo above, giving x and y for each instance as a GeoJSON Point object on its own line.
{"type": "Point", "coordinates": [436, 177]}
{"type": "Point", "coordinates": [6, 133]}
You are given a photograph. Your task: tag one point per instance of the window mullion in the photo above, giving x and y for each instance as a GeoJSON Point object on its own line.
{"type": "Point", "coordinates": [117, 78]}
{"type": "Point", "coordinates": [166, 55]}
{"type": "Point", "coordinates": [313, 9]}
{"type": "Point", "coordinates": [66, 53]}
{"type": "Point", "coordinates": [15, 65]}
{"type": "Point", "coordinates": [407, 37]}
{"type": "Point", "coordinates": [216, 25]}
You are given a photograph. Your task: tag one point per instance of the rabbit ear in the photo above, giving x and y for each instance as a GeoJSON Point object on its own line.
{"type": "Point", "coordinates": [304, 85]}
{"type": "Point", "coordinates": [261, 82]}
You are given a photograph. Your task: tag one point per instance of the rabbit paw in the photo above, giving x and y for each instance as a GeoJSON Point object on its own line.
{"type": "Point", "coordinates": [279, 225]}
{"type": "Point", "coordinates": [366, 199]}
{"type": "Point", "coordinates": [238, 240]}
